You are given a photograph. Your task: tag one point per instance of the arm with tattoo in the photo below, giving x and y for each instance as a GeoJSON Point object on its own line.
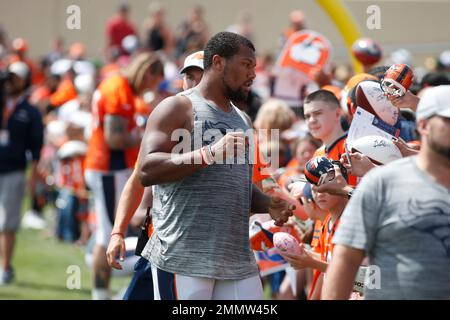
{"type": "Point", "coordinates": [116, 134]}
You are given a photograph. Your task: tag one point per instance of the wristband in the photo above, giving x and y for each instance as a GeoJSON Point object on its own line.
{"type": "Point", "coordinates": [202, 155]}
{"type": "Point", "coordinates": [207, 155]}
{"type": "Point", "coordinates": [118, 233]}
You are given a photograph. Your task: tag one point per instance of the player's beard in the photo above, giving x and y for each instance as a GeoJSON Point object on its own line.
{"type": "Point", "coordinates": [233, 94]}
{"type": "Point", "coordinates": [440, 149]}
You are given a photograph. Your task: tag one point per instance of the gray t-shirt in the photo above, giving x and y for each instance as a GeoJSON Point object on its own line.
{"type": "Point", "coordinates": [201, 222]}
{"type": "Point", "coordinates": [401, 218]}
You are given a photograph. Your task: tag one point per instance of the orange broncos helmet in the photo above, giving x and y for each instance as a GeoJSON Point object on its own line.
{"type": "Point", "coordinates": [397, 80]}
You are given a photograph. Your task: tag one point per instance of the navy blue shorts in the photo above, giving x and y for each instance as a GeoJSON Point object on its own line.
{"type": "Point", "coordinates": [141, 285]}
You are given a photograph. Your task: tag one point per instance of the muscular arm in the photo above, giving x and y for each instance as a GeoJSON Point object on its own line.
{"type": "Point", "coordinates": [341, 273]}
{"type": "Point", "coordinates": [158, 164]}
{"type": "Point", "coordinates": [116, 132]}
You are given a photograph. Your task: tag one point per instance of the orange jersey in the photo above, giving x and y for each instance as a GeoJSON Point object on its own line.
{"type": "Point", "coordinates": [65, 92]}
{"type": "Point", "coordinates": [114, 96]}
{"type": "Point", "coordinates": [71, 174]}
{"type": "Point", "coordinates": [315, 245]}
{"type": "Point", "coordinates": [293, 163]}
{"type": "Point", "coordinates": [109, 70]}
{"type": "Point", "coordinates": [324, 246]}
{"type": "Point", "coordinates": [316, 234]}
{"type": "Point", "coordinates": [334, 152]}
{"type": "Point", "coordinates": [141, 107]}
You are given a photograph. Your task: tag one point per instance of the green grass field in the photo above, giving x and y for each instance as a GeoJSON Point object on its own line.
{"type": "Point", "coordinates": [41, 265]}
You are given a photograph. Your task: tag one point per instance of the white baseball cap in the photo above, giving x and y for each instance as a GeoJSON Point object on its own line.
{"type": "Point", "coordinates": [84, 83]}
{"type": "Point", "coordinates": [444, 58]}
{"type": "Point", "coordinates": [193, 60]}
{"type": "Point", "coordinates": [435, 101]}
{"type": "Point", "coordinates": [19, 68]}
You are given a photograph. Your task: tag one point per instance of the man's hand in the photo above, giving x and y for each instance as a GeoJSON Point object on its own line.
{"type": "Point", "coordinates": [299, 261]}
{"type": "Point", "coordinates": [360, 164]}
{"type": "Point", "coordinates": [338, 186]}
{"type": "Point", "coordinates": [280, 211]}
{"type": "Point", "coordinates": [116, 246]}
{"type": "Point", "coordinates": [405, 150]}
{"type": "Point", "coordinates": [233, 143]}
{"type": "Point", "coordinates": [409, 100]}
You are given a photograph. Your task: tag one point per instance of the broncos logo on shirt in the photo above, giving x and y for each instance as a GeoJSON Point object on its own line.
{"type": "Point", "coordinates": [221, 126]}
{"type": "Point", "coordinates": [431, 217]}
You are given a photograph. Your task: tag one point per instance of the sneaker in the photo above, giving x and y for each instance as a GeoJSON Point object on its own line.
{"type": "Point", "coordinates": [32, 220]}
{"type": "Point", "coordinates": [6, 276]}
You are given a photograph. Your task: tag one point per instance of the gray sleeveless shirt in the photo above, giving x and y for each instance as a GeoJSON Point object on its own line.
{"type": "Point", "coordinates": [201, 222]}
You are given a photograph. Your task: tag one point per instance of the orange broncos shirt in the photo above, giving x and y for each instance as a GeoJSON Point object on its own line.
{"type": "Point", "coordinates": [114, 96]}
{"type": "Point", "coordinates": [324, 246]}
{"type": "Point", "coordinates": [65, 92]}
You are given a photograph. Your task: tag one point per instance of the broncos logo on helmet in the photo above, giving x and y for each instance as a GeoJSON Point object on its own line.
{"type": "Point", "coordinates": [317, 170]}
{"type": "Point", "coordinates": [316, 167]}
